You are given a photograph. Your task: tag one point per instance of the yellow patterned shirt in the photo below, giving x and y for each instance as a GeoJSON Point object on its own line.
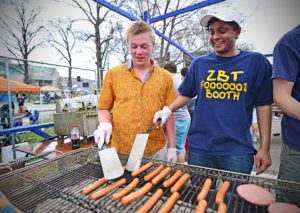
{"type": "Point", "coordinates": [133, 103]}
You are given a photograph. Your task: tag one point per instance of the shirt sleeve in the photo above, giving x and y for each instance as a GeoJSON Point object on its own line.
{"type": "Point", "coordinates": [170, 92]}
{"type": "Point", "coordinates": [265, 91]}
{"type": "Point", "coordinates": [106, 98]}
{"type": "Point", "coordinates": [285, 59]}
{"type": "Point", "coordinates": [188, 85]}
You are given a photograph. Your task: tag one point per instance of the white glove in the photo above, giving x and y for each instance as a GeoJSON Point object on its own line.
{"type": "Point", "coordinates": [171, 155]}
{"type": "Point", "coordinates": [163, 114]}
{"type": "Point", "coordinates": [102, 134]}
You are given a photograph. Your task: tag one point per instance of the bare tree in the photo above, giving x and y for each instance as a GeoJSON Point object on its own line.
{"type": "Point", "coordinates": [63, 39]}
{"type": "Point", "coordinates": [104, 29]}
{"type": "Point", "coordinates": [21, 34]}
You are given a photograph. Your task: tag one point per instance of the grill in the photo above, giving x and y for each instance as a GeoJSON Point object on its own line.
{"type": "Point", "coordinates": [56, 186]}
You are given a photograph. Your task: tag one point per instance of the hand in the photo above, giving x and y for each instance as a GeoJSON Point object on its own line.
{"type": "Point", "coordinates": [163, 115]}
{"type": "Point", "coordinates": [102, 134]}
{"type": "Point", "coordinates": [171, 155]}
{"type": "Point", "coordinates": [262, 161]}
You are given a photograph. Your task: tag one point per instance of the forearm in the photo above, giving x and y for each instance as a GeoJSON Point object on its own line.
{"type": "Point", "coordinates": [104, 116]}
{"type": "Point", "coordinates": [282, 90]}
{"type": "Point", "coordinates": [170, 130]}
{"type": "Point", "coordinates": [179, 102]}
{"type": "Point", "coordinates": [264, 125]}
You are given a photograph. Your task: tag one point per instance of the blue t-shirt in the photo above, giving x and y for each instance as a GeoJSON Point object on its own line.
{"type": "Point", "coordinates": [287, 66]}
{"type": "Point", "coordinates": [227, 89]}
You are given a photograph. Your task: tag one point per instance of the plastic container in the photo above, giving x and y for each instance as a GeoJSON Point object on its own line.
{"type": "Point", "coordinates": [75, 137]}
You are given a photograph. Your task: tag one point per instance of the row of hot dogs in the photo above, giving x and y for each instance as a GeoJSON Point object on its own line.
{"type": "Point", "coordinates": [127, 195]}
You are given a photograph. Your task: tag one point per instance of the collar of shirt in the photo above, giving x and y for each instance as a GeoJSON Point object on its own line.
{"type": "Point", "coordinates": [153, 67]}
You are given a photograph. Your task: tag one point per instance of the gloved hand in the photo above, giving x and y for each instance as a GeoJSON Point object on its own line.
{"type": "Point", "coordinates": [171, 155]}
{"type": "Point", "coordinates": [163, 114]}
{"type": "Point", "coordinates": [102, 134]}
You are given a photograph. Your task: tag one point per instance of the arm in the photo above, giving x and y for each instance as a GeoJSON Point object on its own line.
{"type": "Point", "coordinates": [170, 130]}
{"type": "Point", "coordinates": [179, 102]}
{"type": "Point", "coordinates": [263, 158]}
{"type": "Point", "coordinates": [282, 90]}
{"type": "Point", "coordinates": [104, 116]}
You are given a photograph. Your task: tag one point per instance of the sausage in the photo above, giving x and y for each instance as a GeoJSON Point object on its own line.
{"type": "Point", "coordinates": [151, 201]}
{"type": "Point", "coordinates": [201, 207]}
{"type": "Point", "coordinates": [222, 208]}
{"type": "Point", "coordinates": [118, 195]}
{"type": "Point", "coordinates": [167, 207]}
{"type": "Point", "coordinates": [171, 180]}
{"type": "Point", "coordinates": [182, 180]}
{"type": "Point", "coordinates": [153, 173]}
{"type": "Point", "coordinates": [100, 193]}
{"type": "Point", "coordinates": [161, 175]}
{"type": "Point", "coordinates": [137, 194]}
{"type": "Point", "coordinates": [205, 189]}
{"type": "Point", "coordinates": [222, 191]}
{"type": "Point", "coordinates": [141, 169]}
{"type": "Point", "coordinates": [94, 186]}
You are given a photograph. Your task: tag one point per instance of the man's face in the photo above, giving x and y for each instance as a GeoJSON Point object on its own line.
{"type": "Point", "coordinates": [222, 38]}
{"type": "Point", "coordinates": [141, 47]}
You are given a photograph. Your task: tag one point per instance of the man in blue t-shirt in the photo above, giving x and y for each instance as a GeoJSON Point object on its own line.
{"type": "Point", "coordinates": [286, 84]}
{"type": "Point", "coordinates": [228, 83]}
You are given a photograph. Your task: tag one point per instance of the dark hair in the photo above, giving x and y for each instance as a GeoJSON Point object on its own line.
{"type": "Point", "coordinates": [171, 67]}
{"type": "Point", "coordinates": [183, 71]}
{"type": "Point", "coordinates": [233, 24]}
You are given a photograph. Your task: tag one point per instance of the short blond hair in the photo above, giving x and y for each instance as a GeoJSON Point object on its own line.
{"type": "Point", "coordinates": [138, 27]}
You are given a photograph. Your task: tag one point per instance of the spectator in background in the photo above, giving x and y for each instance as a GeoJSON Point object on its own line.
{"type": "Point", "coordinates": [286, 91]}
{"type": "Point", "coordinates": [254, 126]}
{"type": "Point", "coordinates": [182, 116]}
{"type": "Point", "coordinates": [192, 103]}
{"type": "Point", "coordinates": [21, 102]}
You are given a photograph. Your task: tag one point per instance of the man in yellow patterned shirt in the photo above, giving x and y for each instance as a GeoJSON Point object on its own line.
{"type": "Point", "coordinates": [130, 96]}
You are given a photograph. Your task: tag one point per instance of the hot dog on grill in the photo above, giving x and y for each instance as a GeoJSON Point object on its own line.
{"type": "Point", "coordinates": [137, 194]}
{"type": "Point", "coordinates": [222, 208]}
{"type": "Point", "coordinates": [151, 201]}
{"type": "Point", "coordinates": [153, 173]}
{"type": "Point", "coordinates": [205, 189]}
{"type": "Point", "coordinates": [182, 180]}
{"type": "Point", "coordinates": [126, 190]}
{"type": "Point", "coordinates": [161, 175]}
{"type": "Point", "coordinates": [201, 207]}
{"type": "Point", "coordinates": [171, 180]}
{"type": "Point", "coordinates": [222, 191]}
{"type": "Point", "coordinates": [167, 207]}
{"type": "Point", "coordinates": [141, 169]}
{"type": "Point", "coordinates": [94, 186]}
{"type": "Point", "coordinates": [107, 189]}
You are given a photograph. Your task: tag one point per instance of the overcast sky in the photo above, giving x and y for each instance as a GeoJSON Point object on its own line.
{"type": "Point", "coordinates": [266, 21]}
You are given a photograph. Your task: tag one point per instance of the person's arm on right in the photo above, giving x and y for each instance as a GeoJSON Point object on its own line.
{"type": "Point", "coordinates": [166, 112]}
{"type": "Point", "coordinates": [282, 90]}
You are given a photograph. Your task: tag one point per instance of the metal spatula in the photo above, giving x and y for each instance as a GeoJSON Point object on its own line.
{"type": "Point", "coordinates": [138, 148]}
{"type": "Point", "coordinates": [110, 162]}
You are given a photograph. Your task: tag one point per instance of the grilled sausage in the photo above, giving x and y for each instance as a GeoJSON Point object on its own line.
{"type": "Point", "coordinates": [201, 207]}
{"type": "Point", "coordinates": [161, 175]}
{"type": "Point", "coordinates": [222, 191]}
{"type": "Point", "coordinates": [108, 189]}
{"type": "Point", "coordinates": [137, 194]}
{"type": "Point", "coordinates": [118, 195]}
{"type": "Point", "coordinates": [182, 180]}
{"type": "Point", "coordinates": [222, 208]}
{"type": "Point", "coordinates": [167, 207]}
{"type": "Point", "coordinates": [141, 169]}
{"type": "Point", "coordinates": [205, 189]}
{"type": "Point", "coordinates": [151, 201]}
{"type": "Point", "coordinates": [94, 186]}
{"type": "Point", "coordinates": [153, 173]}
{"type": "Point", "coordinates": [171, 180]}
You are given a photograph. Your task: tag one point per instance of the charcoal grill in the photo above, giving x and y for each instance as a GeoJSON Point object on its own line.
{"type": "Point", "coordinates": [56, 186]}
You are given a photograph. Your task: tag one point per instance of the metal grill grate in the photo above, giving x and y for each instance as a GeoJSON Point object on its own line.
{"type": "Point", "coordinates": [56, 186]}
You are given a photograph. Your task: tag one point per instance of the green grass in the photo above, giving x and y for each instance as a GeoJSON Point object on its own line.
{"type": "Point", "coordinates": [31, 137]}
